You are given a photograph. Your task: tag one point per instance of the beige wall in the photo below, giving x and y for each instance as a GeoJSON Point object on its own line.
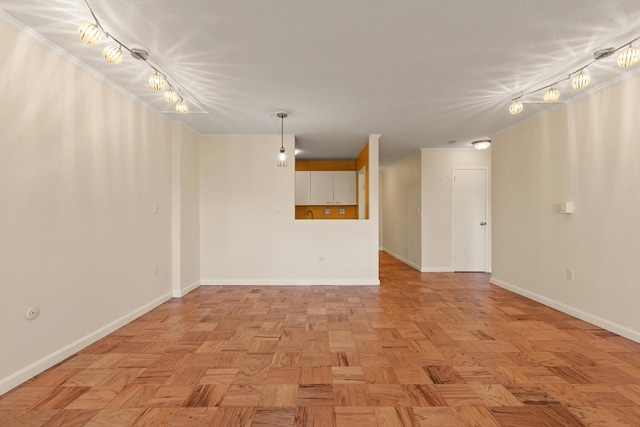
{"type": "Point", "coordinates": [401, 198]}
{"type": "Point", "coordinates": [186, 211]}
{"type": "Point", "coordinates": [81, 166]}
{"type": "Point", "coordinates": [437, 203]}
{"type": "Point", "coordinates": [587, 152]}
{"type": "Point", "coordinates": [248, 231]}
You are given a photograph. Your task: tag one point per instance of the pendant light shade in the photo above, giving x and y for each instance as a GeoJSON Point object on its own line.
{"type": "Point", "coordinates": [170, 96]}
{"type": "Point", "coordinates": [282, 156]}
{"type": "Point", "coordinates": [156, 81]}
{"type": "Point", "coordinates": [629, 57]}
{"type": "Point", "coordinates": [580, 80]}
{"type": "Point", "coordinates": [89, 33]}
{"type": "Point", "coordinates": [181, 107]}
{"type": "Point", "coordinates": [481, 144]}
{"type": "Point", "coordinates": [515, 107]}
{"type": "Point", "coordinates": [112, 54]}
{"type": "Point", "coordinates": [551, 95]}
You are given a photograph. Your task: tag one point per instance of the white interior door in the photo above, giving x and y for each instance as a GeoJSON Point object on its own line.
{"type": "Point", "coordinates": [469, 220]}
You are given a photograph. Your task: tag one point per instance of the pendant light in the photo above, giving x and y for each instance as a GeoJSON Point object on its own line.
{"type": "Point", "coordinates": [282, 156]}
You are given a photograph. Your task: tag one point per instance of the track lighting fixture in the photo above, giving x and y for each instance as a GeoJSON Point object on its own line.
{"type": "Point", "coordinates": [92, 32]}
{"type": "Point", "coordinates": [579, 78]}
{"type": "Point", "coordinates": [170, 96]}
{"type": "Point", "coordinates": [113, 54]}
{"type": "Point", "coordinates": [89, 33]}
{"type": "Point", "coordinates": [628, 57]}
{"type": "Point", "coordinates": [181, 107]}
{"type": "Point", "coordinates": [282, 156]}
{"type": "Point", "coordinates": [156, 81]}
{"type": "Point", "coordinates": [551, 95]}
{"type": "Point", "coordinates": [516, 107]}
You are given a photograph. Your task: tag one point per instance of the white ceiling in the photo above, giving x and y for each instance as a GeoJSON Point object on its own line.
{"type": "Point", "coordinates": [421, 73]}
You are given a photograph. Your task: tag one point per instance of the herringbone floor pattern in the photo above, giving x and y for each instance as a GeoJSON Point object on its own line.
{"type": "Point", "coordinates": [428, 349]}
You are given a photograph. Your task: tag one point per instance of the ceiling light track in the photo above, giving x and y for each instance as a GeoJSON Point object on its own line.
{"type": "Point", "coordinates": [579, 78]}
{"type": "Point", "coordinates": [91, 34]}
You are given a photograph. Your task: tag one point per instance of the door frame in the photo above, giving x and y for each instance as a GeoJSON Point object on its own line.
{"type": "Point", "coordinates": [487, 201]}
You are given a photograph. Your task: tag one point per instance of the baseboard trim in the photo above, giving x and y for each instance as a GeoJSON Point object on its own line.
{"type": "Point", "coordinates": [401, 259]}
{"type": "Point", "coordinates": [28, 372]}
{"type": "Point", "coordinates": [290, 282]}
{"type": "Point", "coordinates": [437, 270]}
{"type": "Point", "coordinates": [595, 320]}
{"type": "Point", "coordinates": [182, 292]}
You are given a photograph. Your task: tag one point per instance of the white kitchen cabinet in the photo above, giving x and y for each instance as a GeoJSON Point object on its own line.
{"type": "Point", "coordinates": [303, 188]}
{"type": "Point", "coordinates": [321, 188]}
{"type": "Point", "coordinates": [344, 188]}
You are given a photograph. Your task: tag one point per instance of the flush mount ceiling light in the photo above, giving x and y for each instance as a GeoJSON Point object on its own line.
{"type": "Point", "coordinates": [481, 144]}
{"type": "Point", "coordinates": [91, 33]}
{"type": "Point", "coordinates": [282, 156]}
{"type": "Point", "coordinates": [579, 78]}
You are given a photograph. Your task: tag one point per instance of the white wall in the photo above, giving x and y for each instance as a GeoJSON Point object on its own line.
{"type": "Point", "coordinates": [437, 203]}
{"type": "Point", "coordinates": [248, 231]}
{"type": "Point", "coordinates": [81, 166]}
{"type": "Point", "coordinates": [401, 201]}
{"type": "Point", "coordinates": [587, 152]}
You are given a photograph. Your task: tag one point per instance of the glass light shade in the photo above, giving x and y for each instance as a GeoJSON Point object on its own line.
{"type": "Point", "coordinates": [483, 144]}
{"type": "Point", "coordinates": [113, 54]}
{"type": "Point", "coordinates": [551, 95]}
{"type": "Point", "coordinates": [580, 80]}
{"type": "Point", "coordinates": [89, 33]}
{"type": "Point", "coordinates": [282, 158]}
{"type": "Point", "coordinates": [170, 96]}
{"type": "Point", "coordinates": [181, 107]}
{"type": "Point", "coordinates": [629, 57]}
{"type": "Point", "coordinates": [516, 107]}
{"type": "Point", "coordinates": [156, 81]}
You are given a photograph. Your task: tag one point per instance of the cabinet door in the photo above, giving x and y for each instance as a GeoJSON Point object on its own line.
{"type": "Point", "coordinates": [321, 188]}
{"type": "Point", "coordinates": [303, 189]}
{"type": "Point", "coordinates": [344, 188]}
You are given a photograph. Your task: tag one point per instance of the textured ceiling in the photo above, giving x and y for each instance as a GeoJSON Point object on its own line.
{"type": "Point", "coordinates": [421, 73]}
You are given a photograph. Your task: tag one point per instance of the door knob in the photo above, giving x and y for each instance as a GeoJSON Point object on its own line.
{"type": "Point", "coordinates": [483, 223]}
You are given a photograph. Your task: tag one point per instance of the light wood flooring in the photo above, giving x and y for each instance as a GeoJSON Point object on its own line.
{"type": "Point", "coordinates": [428, 349]}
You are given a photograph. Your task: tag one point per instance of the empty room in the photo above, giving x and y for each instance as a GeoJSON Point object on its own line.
{"type": "Point", "coordinates": [320, 213]}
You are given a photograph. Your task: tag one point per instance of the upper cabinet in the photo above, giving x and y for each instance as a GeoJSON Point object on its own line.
{"type": "Point", "coordinates": [325, 188]}
{"type": "Point", "coordinates": [321, 188]}
{"type": "Point", "coordinates": [344, 188]}
{"type": "Point", "coordinates": [303, 189]}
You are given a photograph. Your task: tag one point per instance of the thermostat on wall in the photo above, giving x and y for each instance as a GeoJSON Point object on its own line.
{"type": "Point", "coordinates": [566, 207]}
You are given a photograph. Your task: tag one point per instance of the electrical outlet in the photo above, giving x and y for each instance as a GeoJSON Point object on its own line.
{"type": "Point", "coordinates": [327, 211]}
{"type": "Point", "coordinates": [154, 269]}
{"type": "Point", "coordinates": [155, 208]}
{"type": "Point", "coordinates": [570, 274]}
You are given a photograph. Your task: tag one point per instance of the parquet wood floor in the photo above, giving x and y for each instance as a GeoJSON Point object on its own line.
{"type": "Point", "coordinates": [428, 349]}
